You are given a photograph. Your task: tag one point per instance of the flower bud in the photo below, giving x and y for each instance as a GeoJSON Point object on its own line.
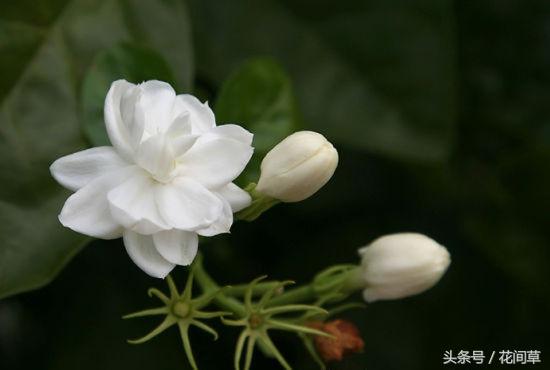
{"type": "Point", "coordinates": [297, 167]}
{"type": "Point", "coordinates": [400, 265]}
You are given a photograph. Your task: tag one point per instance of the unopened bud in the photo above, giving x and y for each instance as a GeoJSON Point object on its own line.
{"type": "Point", "coordinates": [297, 167]}
{"type": "Point", "coordinates": [400, 265]}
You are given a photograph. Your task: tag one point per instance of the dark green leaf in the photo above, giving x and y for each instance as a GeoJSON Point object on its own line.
{"type": "Point", "coordinates": [369, 74]}
{"type": "Point", "coordinates": [259, 96]}
{"type": "Point", "coordinates": [129, 62]}
{"type": "Point", "coordinates": [39, 118]}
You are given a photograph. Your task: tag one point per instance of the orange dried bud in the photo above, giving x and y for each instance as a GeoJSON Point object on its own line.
{"type": "Point", "coordinates": [346, 339]}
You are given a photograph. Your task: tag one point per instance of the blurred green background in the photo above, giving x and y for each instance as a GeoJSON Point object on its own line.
{"type": "Point", "coordinates": [440, 111]}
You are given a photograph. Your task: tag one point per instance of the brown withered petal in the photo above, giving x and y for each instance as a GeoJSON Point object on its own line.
{"type": "Point", "coordinates": [346, 339]}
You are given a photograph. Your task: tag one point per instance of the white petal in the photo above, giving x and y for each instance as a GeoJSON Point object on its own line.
{"type": "Point", "coordinates": [237, 197]}
{"type": "Point", "coordinates": [235, 132]}
{"type": "Point", "coordinates": [134, 206]}
{"type": "Point", "coordinates": [222, 224]}
{"type": "Point", "coordinates": [179, 134]}
{"type": "Point", "coordinates": [176, 246]}
{"type": "Point", "coordinates": [370, 295]}
{"type": "Point", "coordinates": [215, 161]}
{"type": "Point", "coordinates": [186, 204]}
{"type": "Point", "coordinates": [182, 144]}
{"type": "Point", "coordinates": [77, 170]}
{"type": "Point", "coordinates": [87, 210]}
{"type": "Point", "coordinates": [156, 156]}
{"type": "Point", "coordinates": [202, 117]}
{"type": "Point", "coordinates": [132, 115]}
{"type": "Point", "coordinates": [156, 102]}
{"type": "Point", "coordinates": [181, 125]}
{"type": "Point", "coordinates": [142, 251]}
{"type": "Point", "coordinates": [120, 99]}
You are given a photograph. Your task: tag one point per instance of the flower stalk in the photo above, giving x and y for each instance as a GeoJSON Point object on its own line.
{"type": "Point", "coordinates": [260, 203]}
{"type": "Point", "coordinates": [208, 286]}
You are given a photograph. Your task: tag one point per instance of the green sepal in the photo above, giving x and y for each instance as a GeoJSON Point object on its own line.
{"type": "Point", "coordinates": [260, 204]}
{"type": "Point", "coordinates": [308, 344]}
{"type": "Point", "coordinates": [182, 310]}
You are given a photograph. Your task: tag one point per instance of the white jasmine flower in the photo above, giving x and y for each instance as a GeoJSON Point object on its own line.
{"type": "Point", "coordinates": [400, 265]}
{"type": "Point", "coordinates": [297, 167]}
{"type": "Point", "coordinates": [166, 179]}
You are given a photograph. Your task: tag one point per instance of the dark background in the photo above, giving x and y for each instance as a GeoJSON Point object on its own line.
{"type": "Point", "coordinates": [484, 195]}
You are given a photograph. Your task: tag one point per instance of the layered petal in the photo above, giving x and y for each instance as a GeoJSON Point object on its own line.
{"type": "Point", "coordinates": [187, 205]}
{"type": "Point", "coordinates": [156, 103]}
{"type": "Point", "coordinates": [181, 125]}
{"type": "Point", "coordinates": [237, 197]}
{"type": "Point", "coordinates": [235, 132]}
{"type": "Point", "coordinates": [120, 117]}
{"type": "Point", "coordinates": [77, 170]}
{"type": "Point", "coordinates": [133, 204]}
{"type": "Point", "coordinates": [157, 157]}
{"type": "Point", "coordinates": [222, 224]}
{"type": "Point", "coordinates": [180, 145]}
{"type": "Point", "coordinates": [142, 251]}
{"type": "Point", "coordinates": [176, 246]}
{"type": "Point", "coordinates": [201, 116]}
{"type": "Point", "coordinates": [132, 115]}
{"type": "Point", "coordinates": [215, 161]}
{"type": "Point", "coordinates": [179, 134]}
{"type": "Point", "coordinates": [87, 211]}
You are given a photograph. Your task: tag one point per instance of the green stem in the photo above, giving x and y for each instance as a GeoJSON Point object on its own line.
{"type": "Point", "coordinates": [260, 204]}
{"type": "Point", "coordinates": [301, 294]}
{"type": "Point", "coordinates": [340, 279]}
{"type": "Point", "coordinates": [259, 289]}
{"type": "Point", "coordinates": [209, 285]}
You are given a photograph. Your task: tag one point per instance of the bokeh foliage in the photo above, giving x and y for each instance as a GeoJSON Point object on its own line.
{"type": "Point", "coordinates": [260, 95]}
{"type": "Point", "coordinates": [440, 114]}
{"type": "Point", "coordinates": [50, 48]}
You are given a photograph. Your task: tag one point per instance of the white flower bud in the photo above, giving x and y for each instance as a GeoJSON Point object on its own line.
{"type": "Point", "coordinates": [297, 167]}
{"type": "Point", "coordinates": [400, 265]}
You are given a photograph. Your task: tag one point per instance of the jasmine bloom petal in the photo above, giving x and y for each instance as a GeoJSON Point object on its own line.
{"type": "Point", "coordinates": [238, 198]}
{"type": "Point", "coordinates": [215, 161]}
{"type": "Point", "coordinates": [142, 251]}
{"type": "Point", "coordinates": [202, 117]}
{"type": "Point", "coordinates": [222, 224]}
{"type": "Point", "coordinates": [176, 246]}
{"type": "Point", "coordinates": [185, 204]}
{"type": "Point", "coordinates": [87, 211]}
{"type": "Point", "coordinates": [133, 204]}
{"type": "Point", "coordinates": [76, 170]}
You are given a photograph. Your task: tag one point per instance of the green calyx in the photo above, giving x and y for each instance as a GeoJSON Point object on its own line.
{"type": "Point", "coordinates": [260, 317]}
{"type": "Point", "coordinates": [338, 281]}
{"type": "Point", "coordinates": [331, 285]}
{"type": "Point", "coordinates": [255, 321]}
{"type": "Point", "coordinates": [260, 204]}
{"type": "Point", "coordinates": [181, 310]}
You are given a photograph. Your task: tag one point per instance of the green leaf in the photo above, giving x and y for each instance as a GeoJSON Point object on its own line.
{"type": "Point", "coordinates": [376, 75]}
{"type": "Point", "coordinates": [259, 96]}
{"type": "Point", "coordinates": [132, 63]}
{"type": "Point", "coordinates": [39, 115]}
